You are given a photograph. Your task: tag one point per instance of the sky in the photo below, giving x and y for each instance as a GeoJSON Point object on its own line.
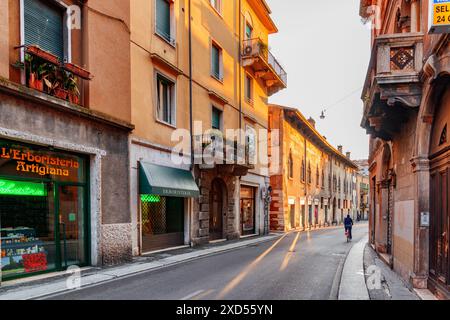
{"type": "Point", "coordinates": [325, 49]}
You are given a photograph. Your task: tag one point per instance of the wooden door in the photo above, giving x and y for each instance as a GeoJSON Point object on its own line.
{"type": "Point", "coordinates": [216, 211]}
{"type": "Point", "coordinates": [439, 231]}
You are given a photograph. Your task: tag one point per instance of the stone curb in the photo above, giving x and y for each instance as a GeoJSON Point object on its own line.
{"type": "Point", "coordinates": [59, 286]}
{"type": "Point", "coordinates": [353, 282]}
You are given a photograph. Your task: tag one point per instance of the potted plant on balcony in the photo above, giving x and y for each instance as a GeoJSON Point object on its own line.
{"type": "Point", "coordinates": [35, 69]}
{"type": "Point", "coordinates": [72, 89]}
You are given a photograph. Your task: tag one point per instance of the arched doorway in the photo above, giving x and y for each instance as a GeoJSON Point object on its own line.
{"type": "Point", "coordinates": [440, 192]}
{"type": "Point", "coordinates": [217, 210]}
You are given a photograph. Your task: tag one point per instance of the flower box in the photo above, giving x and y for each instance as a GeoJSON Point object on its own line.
{"type": "Point", "coordinates": [78, 71]}
{"type": "Point", "coordinates": [45, 55]}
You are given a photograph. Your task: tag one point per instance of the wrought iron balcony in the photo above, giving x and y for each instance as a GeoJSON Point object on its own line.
{"type": "Point", "coordinates": [212, 150]}
{"type": "Point", "coordinates": [393, 83]}
{"type": "Point", "coordinates": [256, 55]}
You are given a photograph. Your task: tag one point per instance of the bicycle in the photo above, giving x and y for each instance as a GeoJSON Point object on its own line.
{"type": "Point", "coordinates": [347, 235]}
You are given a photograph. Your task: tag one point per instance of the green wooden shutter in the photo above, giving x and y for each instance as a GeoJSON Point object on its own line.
{"type": "Point", "coordinates": [215, 53]}
{"type": "Point", "coordinates": [163, 18]}
{"type": "Point", "coordinates": [44, 26]}
{"type": "Point", "coordinates": [216, 115]}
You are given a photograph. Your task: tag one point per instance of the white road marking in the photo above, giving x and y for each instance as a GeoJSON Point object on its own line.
{"type": "Point", "coordinates": [196, 293]}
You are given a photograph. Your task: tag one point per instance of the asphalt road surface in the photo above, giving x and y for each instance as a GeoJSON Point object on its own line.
{"type": "Point", "coordinates": [298, 266]}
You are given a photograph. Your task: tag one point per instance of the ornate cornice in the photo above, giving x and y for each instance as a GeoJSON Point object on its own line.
{"type": "Point", "coordinates": [420, 163]}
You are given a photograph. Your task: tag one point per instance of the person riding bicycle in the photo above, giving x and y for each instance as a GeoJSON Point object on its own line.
{"type": "Point", "coordinates": [348, 223]}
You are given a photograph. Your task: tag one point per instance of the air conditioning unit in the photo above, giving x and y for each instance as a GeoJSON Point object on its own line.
{"type": "Point", "coordinates": [248, 50]}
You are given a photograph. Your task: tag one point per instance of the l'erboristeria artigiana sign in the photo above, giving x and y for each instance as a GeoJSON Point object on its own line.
{"type": "Point", "coordinates": [41, 164]}
{"type": "Point", "coordinates": [439, 19]}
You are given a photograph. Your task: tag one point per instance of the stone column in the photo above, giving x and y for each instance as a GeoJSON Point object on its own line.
{"type": "Point", "coordinates": [415, 16]}
{"type": "Point", "coordinates": [421, 171]}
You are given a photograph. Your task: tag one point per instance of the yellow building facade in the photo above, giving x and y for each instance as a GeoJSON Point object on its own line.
{"type": "Point", "coordinates": [193, 80]}
{"type": "Point", "coordinates": [314, 184]}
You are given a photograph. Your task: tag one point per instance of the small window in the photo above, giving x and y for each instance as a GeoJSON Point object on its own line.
{"type": "Point", "coordinates": [317, 176]}
{"type": "Point", "coordinates": [165, 100]}
{"type": "Point", "coordinates": [216, 121]}
{"type": "Point", "coordinates": [163, 19]}
{"type": "Point", "coordinates": [248, 88]}
{"type": "Point", "coordinates": [250, 137]}
{"type": "Point", "coordinates": [248, 31]}
{"type": "Point", "coordinates": [216, 61]}
{"type": "Point", "coordinates": [217, 4]}
{"type": "Point", "coordinates": [303, 171]}
{"type": "Point", "coordinates": [291, 166]}
{"type": "Point", "coordinates": [309, 173]}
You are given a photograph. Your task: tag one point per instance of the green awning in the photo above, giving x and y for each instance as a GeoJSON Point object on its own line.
{"type": "Point", "coordinates": [165, 181]}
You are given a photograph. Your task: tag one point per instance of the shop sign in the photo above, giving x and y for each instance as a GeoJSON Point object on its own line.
{"type": "Point", "coordinates": [19, 188]}
{"type": "Point", "coordinates": [316, 202]}
{"type": "Point", "coordinates": [291, 200]}
{"type": "Point", "coordinates": [309, 201]}
{"type": "Point", "coordinates": [439, 16]}
{"type": "Point", "coordinates": [28, 161]}
{"type": "Point", "coordinates": [325, 201]}
{"type": "Point", "coordinates": [302, 201]}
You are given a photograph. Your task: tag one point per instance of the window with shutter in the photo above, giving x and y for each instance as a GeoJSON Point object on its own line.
{"type": "Point", "coordinates": [216, 119]}
{"type": "Point", "coordinates": [163, 19]}
{"type": "Point", "coordinates": [216, 55]}
{"type": "Point", "coordinates": [44, 26]}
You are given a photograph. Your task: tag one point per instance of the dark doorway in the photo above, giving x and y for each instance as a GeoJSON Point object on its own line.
{"type": "Point", "coordinates": [216, 213]}
{"type": "Point", "coordinates": [334, 211]}
{"type": "Point", "coordinates": [248, 210]}
{"type": "Point", "coordinates": [292, 215]}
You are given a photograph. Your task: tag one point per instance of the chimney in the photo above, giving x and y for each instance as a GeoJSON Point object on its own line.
{"type": "Point", "coordinates": [340, 149]}
{"type": "Point", "coordinates": [312, 122]}
{"type": "Point", "coordinates": [348, 154]}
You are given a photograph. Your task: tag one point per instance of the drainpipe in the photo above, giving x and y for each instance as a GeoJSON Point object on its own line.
{"type": "Point", "coordinates": [191, 125]}
{"type": "Point", "coordinates": [240, 65]}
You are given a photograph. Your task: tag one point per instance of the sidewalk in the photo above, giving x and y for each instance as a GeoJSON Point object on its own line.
{"type": "Point", "coordinates": [57, 283]}
{"type": "Point", "coordinates": [356, 278]}
{"type": "Point", "coordinates": [392, 286]}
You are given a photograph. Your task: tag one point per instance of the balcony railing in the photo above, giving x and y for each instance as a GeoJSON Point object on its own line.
{"type": "Point", "coordinates": [45, 72]}
{"type": "Point", "coordinates": [213, 149]}
{"type": "Point", "coordinates": [257, 55]}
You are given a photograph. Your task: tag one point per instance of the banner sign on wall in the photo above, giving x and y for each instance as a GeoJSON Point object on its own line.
{"type": "Point", "coordinates": [439, 19]}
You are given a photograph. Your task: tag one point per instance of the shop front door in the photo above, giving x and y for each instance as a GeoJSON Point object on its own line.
{"type": "Point", "coordinates": [71, 226]}
{"type": "Point", "coordinates": [247, 205]}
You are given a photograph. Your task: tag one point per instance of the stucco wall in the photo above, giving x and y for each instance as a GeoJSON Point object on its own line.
{"type": "Point", "coordinates": [4, 40]}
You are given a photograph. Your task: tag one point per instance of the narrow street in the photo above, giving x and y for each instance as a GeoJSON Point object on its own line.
{"type": "Point", "coordinates": [303, 265]}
